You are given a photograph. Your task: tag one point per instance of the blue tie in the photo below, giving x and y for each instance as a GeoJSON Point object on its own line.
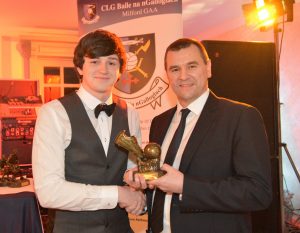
{"type": "Point", "coordinates": [156, 220]}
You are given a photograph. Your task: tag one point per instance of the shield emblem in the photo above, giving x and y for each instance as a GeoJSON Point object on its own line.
{"type": "Point", "coordinates": [89, 11]}
{"type": "Point", "coordinates": [140, 52]}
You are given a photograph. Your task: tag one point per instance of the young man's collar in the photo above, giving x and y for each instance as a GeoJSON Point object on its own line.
{"type": "Point", "coordinates": [91, 101]}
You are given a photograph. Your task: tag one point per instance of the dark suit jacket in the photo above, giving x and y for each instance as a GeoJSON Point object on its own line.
{"type": "Point", "coordinates": [226, 168]}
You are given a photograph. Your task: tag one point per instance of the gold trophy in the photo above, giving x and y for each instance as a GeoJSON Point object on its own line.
{"type": "Point", "coordinates": [148, 160]}
{"type": "Point", "coordinates": [10, 172]}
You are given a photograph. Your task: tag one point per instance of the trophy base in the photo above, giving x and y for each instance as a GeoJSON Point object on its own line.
{"type": "Point", "coordinates": [152, 175]}
{"type": "Point", "coordinates": [19, 183]}
{"type": "Point", "coordinates": [3, 183]}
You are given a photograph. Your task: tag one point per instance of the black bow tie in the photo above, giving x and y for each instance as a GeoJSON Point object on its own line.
{"type": "Point", "coordinates": [108, 109]}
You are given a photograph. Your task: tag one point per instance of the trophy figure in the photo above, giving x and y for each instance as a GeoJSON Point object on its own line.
{"type": "Point", "coordinates": [11, 173]}
{"type": "Point", "coordinates": [148, 160]}
{"type": "Point", "coordinates": [3, 178]}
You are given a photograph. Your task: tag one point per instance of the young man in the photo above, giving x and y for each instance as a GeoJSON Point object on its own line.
{"type": "Point", "coordinates": [219, 172]}
{"type": "Point", "coordinates": [78, 170]}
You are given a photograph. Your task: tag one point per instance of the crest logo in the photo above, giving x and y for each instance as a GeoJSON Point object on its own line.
{"type": "Point", "coordinates": [89, 14]}
{"type": "Point", "coordinates": [141, 63]}
{"type": "Point", "coordinates": [140, 52]}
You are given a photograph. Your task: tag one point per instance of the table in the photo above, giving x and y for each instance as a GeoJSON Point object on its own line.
{"type": "Point", "coordinates": [19, 211]}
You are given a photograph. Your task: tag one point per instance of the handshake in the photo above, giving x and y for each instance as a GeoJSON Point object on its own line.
{"type": "Point", "coordinates": [148, 173]}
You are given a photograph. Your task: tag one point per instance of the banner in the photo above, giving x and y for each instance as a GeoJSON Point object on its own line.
{"type": "Point", "coordinates": [146, 28]}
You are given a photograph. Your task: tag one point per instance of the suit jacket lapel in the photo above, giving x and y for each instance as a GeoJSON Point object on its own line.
{"type": "Point", "coordinates": [202, 126]}
{"type": "Point", "coordinates": [164, 126]}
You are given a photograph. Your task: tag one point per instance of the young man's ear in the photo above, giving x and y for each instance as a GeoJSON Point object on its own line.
{"type": "Point", "coordinates": [79, 71]}
{"type": "Point", "coordinates": [79, 74]}
{"type": "Point", "coordinates": [208, 68]}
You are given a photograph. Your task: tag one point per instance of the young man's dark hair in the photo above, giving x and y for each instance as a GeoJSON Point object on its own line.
{"type": "Point", "coordinates": [99, 43]}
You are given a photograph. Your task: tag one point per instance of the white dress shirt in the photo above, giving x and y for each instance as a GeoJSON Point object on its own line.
{"type": "Point", "coordinates": [52, 135]}
{"type": "Point", "coordinates": [191, 120]}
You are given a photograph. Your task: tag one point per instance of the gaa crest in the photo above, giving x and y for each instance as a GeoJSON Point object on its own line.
{"type": "Point", "coordinates": [137, 84]}
{"type": "Point", "coordinates": [140, 52]}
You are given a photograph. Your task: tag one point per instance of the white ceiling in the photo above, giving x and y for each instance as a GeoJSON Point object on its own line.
{"type": "Point", "coordinates": [39, 13]}
{"type": "Point", "coordinates": [198, 15]}
{"type": "Point", "coordinates": [63, 14]}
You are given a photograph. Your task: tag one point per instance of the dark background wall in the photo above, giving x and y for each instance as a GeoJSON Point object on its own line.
{"type": "Point", "coordinates": [245, 71]}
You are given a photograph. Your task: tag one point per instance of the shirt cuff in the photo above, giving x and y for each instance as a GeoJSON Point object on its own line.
{"type": "Point", "coordinates": [109, 196]}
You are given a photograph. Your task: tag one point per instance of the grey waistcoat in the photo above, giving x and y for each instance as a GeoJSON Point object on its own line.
{"type": "Point", "coordinates": [86, 162]}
